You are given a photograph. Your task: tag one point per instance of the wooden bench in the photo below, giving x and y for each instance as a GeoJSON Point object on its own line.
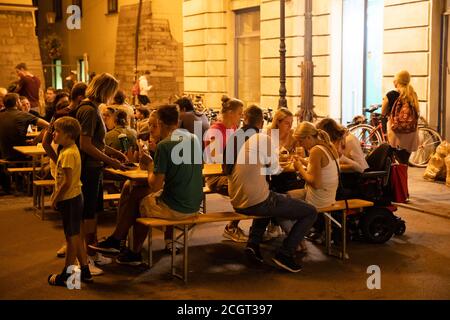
{"type": "Point", "coordinates": [185, 225]}
{"type": "Point", "coordinates": [26, 172]}
{"type": "Point", "coordinates": [39, 192]}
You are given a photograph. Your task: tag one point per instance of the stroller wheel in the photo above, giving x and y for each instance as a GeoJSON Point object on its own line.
{"type": "Point", "coordinates": [401, 228]}
{"type": "Point", "coordinates": [377, 225]}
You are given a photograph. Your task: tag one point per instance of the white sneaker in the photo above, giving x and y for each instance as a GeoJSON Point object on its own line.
{"type": "Point", "coordinates": [101, 260]}
{"type": "Point", "coordinates": [95, 271]}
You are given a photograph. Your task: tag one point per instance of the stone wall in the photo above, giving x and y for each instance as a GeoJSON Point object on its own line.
{"type": "Point", "coordinates": [18, 43]}
{"type": "Point", "coordinates": [158, 52]}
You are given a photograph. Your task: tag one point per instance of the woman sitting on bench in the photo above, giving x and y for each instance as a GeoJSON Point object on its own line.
{"type": "Point", "coordinates": [321, 174]}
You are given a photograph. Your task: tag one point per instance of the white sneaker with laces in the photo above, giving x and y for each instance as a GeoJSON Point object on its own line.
{"type": "Point", "coordinates": [95, 271]}
{"type": "Point", "coordinates": [101, 260]}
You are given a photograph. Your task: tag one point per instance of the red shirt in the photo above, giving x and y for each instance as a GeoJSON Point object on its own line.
{"type": "Point", "coordinates": [29, 87]}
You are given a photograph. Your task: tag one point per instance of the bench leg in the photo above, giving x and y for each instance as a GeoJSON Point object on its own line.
{"type": "Point", "coordinates": [344, 236]}
{"type": "Point", "coordinates": [42, 203]}
{"type": "Point", "coordinates": [328, 234]}
{"type": "Point", "coordinates": [186, 253]}
{"type": "Point", "coordinates": [150, 248]}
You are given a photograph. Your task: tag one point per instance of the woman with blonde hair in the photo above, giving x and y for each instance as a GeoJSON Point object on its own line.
{"type": "Point", "coordinates": [405, 142]}
{"type": "Point", "coordinates": [321, 175]}
{"type": "Point", "coordinates": [283, 121]}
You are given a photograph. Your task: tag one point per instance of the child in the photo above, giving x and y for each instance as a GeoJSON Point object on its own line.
{"type": "Point", "coordinates": [68, 198]}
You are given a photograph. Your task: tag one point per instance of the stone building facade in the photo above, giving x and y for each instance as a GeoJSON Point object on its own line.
{"type": "Point", "coordinates": [408, 38]}
{"type": "Point", "coordinates": [158, 52]}
{"type": "Point", "coordinates": [18, 41]}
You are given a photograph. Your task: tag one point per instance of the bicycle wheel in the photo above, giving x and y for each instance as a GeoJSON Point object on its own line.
{"type": "Point", "coordinates": [369, 137]}
{"type": "Point", "coordinates": [429, 140]}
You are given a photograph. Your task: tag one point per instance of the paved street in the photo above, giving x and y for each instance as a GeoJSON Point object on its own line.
{"type": "Point", "coordinates": [414, 266]}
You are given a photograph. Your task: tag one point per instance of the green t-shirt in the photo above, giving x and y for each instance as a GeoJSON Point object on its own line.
{"type": "Point", "coordinates": [183, 184]}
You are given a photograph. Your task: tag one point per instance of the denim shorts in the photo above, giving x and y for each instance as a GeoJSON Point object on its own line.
{"type": "Point", "coordinates": [71, 211]}
{"type": "Point", "coordinates": [92, 179]}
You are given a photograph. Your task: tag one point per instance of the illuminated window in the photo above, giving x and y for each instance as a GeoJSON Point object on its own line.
{"type": "Point", "coordinates": [113, 6]}
{"type": "Point", "coordinates": [248, 82]}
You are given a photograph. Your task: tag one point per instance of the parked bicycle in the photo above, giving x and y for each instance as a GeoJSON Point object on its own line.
{"type": "Point", "coordinates": [373, 134]}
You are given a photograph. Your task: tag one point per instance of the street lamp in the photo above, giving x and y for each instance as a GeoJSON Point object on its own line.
{"type": "Point", "coordinates": [283, 102]}
{"type": "Point", "coordinates": [51, 17]}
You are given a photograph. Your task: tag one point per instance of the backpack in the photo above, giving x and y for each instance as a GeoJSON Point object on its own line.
{"type": "Point", "coordinates": [136, 89]}
{"type": "Point", "coordinates": [404, 117]}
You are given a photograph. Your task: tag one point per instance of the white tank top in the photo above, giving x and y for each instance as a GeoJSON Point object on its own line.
{"type": "Point", "coordinates": [325, 196]}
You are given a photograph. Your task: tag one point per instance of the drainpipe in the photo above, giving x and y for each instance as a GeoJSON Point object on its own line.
{"type": "Point", "coordinates": [282, 102]}
{"type": "Point", "coordinates": [136, 48]}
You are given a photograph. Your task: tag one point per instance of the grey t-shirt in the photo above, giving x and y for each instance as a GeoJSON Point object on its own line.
{"type": "Point", "coordinates": [92, 125]}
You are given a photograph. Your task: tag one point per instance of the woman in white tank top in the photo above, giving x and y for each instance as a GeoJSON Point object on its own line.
{"type": "Point", "coordinates": [321, 174]}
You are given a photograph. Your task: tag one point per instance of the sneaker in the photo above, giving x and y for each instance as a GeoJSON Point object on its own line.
{"type": "Point", "coordinates": [235, 234]}
{"type": "Point", "coordinates": [287, 263]}
{"type": "Point", "coordinates": [101, 260]}
{"type": "Point", "coordinates": [168, 248]}
{"type": "Point", "coordinates": [61, 253]}
{"type": "Point", "coordinates": [129, 258]}
{"type": "Point", "coordinates": [108, 246]}
{"type": "Point", "coordinates": [272, 232]}
{"type": "Point", "coordinates": [94, 270]}
{"type": "Point", "coordinates": [253, 253]}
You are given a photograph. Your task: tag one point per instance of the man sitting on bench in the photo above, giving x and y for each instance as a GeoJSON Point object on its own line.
{"type": "Point", "coordinates": [174, 191]}
{"type": "Point", "coordinates": [250, 194]}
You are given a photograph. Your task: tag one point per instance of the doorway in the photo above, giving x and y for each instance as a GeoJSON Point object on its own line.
{"type": "Point", "coordinates": [362, 56]}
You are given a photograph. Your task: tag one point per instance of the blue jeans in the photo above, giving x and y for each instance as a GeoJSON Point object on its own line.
{"type": "Point", "coordinates": [281, 207]}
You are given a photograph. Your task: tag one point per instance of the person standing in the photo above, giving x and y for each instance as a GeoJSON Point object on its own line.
{"type": "Point", "coordinates": [68, 198]}
{"type": "Point", "coordinates": [401, 107]}
{"type": "Point", "coordinates": [28, 86]}
{"type": "Point", "coordinates": [95, 154]}
{"type": "Point", "coordinates": [144, 88]}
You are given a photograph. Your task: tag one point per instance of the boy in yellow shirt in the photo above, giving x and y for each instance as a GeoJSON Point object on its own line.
{"type": "Point", "coordinates": [68, 198]}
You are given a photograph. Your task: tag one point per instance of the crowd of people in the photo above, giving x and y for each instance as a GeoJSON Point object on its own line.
{"type": "Point", "coordinates": [93, 127]}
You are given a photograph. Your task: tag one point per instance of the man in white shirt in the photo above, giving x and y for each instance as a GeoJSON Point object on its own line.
{"type": "Point", "coordinates": [247, 166]}
{"type": "Point", "coordinates": [144, 88]}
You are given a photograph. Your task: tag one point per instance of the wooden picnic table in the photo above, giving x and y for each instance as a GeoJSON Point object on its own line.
{"type": "Point", "coordinates": [140, 175]}
{"type": "Point", "coordinates": [34, 152]}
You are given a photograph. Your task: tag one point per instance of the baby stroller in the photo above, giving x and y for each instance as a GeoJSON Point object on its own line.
{"type": "Point", "coordinates": [379, 223]}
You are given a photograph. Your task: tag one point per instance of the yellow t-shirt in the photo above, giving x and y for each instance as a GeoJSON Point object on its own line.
{"type": "Point", "coordinates": [69, 157]}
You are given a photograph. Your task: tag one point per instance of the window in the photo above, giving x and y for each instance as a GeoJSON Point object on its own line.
{"type": "Point", "coordinates": [82, 70]}
{"type": "Point", "coordinates": [57, 8]}
{"type": "Point", "coordinates": [57, 74]}
{"type": "Point", "coordinates": [80, 4]}
{"type": "Point", "coordinates": [248, 82]}
{"type": "Point", "coordinates": [113, 6]}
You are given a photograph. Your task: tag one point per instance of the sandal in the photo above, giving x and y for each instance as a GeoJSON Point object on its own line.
{"type": "Point", "coordinates": [56, 280]}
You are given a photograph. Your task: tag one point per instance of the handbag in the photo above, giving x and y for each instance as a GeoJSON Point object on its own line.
{"type": "Point", "coordinates": [399, 182]}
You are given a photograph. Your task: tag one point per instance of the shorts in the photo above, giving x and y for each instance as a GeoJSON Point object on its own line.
{"type": "Point", "coordinates": [92, 179]}
{"type": "Point", "coordinates": [71, 211]}
{"type": "Point", "coordinates": [153, 207]}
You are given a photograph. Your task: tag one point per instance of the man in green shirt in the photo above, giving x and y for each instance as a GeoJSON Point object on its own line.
{"type": "Point", "coordinates": [174, 189]}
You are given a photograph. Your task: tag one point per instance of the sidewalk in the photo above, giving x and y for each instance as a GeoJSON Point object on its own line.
{"type": "Point", "coordinates": [429, 197]}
